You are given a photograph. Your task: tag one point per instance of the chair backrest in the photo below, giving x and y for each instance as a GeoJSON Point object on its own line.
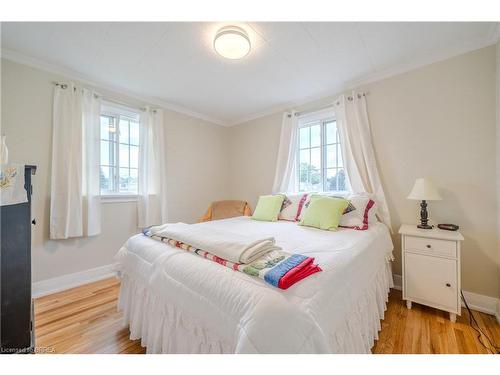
{"type": "Point", "coordinates": [226, 209]}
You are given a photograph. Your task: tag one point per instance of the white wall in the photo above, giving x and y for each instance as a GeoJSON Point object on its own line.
{"type": "Point", "coordinates": [253, 150]}
{"type": "Point", "coordinates": [498, 167]}
{"type": "Point", "coordinates": [197, 160]}
{"type": "Point", "coordinates": [436, 121]}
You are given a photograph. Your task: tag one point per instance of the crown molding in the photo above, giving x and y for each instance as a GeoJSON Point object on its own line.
{"type": "Point", "coordinates": [267, 112]}
{"type": "Point", "coordinates": [324, 95]}
{"type": "Point", "coordinates": [429, 59]}
{"type": "Point", "coordinates": [494, 33]}
{"type": "Point", "coordinates": [492, 37]}
{"type": "Point", "coordinates": [74, 75]}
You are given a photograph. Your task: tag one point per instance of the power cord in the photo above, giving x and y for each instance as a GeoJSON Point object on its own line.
{"type": "Point", "coordinates": [480, 333]}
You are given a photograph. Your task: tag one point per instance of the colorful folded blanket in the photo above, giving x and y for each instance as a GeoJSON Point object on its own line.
{"type": "Point", "coordinates": [234, 247]}
{"type": "Point", "coordinates": [277, 268]}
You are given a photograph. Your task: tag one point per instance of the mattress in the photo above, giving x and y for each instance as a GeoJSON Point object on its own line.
{"type": "Point", "coordinates": [177, 302]}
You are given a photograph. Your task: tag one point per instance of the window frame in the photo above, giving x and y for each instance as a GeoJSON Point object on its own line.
{"type": "Point", "coordinates": [321, 118]}
{"type": "Point", "coordinates": [117, 112]}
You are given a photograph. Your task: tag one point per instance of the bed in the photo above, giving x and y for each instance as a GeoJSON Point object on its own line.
{"type": "Point", "coordinates": [177, 302]}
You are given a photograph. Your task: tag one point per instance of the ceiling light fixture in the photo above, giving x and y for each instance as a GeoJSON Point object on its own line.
{"type": "Point", "coordinates": [232, 42]}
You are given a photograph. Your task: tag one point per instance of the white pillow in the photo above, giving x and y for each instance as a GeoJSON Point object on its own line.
{"type": "Point", "coordinates": [292, 206]}
{"type": "Point", "coordinates": [363, 214]}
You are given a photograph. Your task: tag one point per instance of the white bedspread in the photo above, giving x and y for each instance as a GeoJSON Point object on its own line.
{"type": "Point", "coordinates": [177, 302]}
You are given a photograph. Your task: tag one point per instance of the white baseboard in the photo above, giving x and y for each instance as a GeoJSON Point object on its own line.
{"type": "Point", "coordinates": [478, 302]}
{"type": "Point", "coordinates": [481, 303]}
{"type": "Point", "coordinates": [497, 313]}
{"type": "Point", "coordinates": [57, 284]}
{"type": "Point", "coordinates": [398, 282]}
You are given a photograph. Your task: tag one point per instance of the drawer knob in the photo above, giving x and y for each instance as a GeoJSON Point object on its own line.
{"type": "Point", "coordinates": [428, 246]}
{"type": "Point", "coordinates": [448, 285]}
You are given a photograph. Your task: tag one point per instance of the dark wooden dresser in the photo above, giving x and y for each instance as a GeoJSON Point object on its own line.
{"type": "Point", "coordinates": [16, 311]}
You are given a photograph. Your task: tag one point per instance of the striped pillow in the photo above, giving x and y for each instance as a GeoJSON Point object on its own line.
{"type": "Point", "coordinates": [362, 215]}
{"type": "Point", "coordinates": [292, 207]}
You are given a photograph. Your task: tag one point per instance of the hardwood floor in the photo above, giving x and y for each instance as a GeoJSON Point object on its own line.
{"type": "Point", "coordinates": [424, 330]}
{"type": "Point", "coordinates": [85, 320]}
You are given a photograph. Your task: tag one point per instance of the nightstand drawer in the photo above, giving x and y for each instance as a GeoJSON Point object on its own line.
{"type": "Point", "coordinates": [431, 281]}
{"type": "Point", "coordinates": [431, 246]}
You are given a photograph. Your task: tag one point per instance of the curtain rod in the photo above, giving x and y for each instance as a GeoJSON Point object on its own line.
{"type": "Point", "coordinates": [298, 114]}
{"type": "Point", "coordinates": [97, 95]}
{"type": "Point", "coordinates": [350, 98]}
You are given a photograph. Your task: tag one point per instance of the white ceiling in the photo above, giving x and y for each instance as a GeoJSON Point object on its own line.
{"type": "Point", "coordinates": [290, 63]}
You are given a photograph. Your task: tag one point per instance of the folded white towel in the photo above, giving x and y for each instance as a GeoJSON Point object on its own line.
{"type": "Point", "coordinates": [235, 247]}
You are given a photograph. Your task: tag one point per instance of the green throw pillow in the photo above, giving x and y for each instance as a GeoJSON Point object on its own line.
{"type": "Point", "coordinates": [268, 207]}
{"type": "Point", "coordinates": [324, 212]}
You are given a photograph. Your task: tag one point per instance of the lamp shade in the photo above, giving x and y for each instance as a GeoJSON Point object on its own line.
{"type": "Point", "coordinates": [424, 190]}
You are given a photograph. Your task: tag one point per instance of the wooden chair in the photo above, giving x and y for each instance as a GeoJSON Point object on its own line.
{"type": "Point", "coordinates": [226, 209]}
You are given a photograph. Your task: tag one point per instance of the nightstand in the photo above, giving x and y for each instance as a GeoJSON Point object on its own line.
{"type": "Point", "coordinates": [431, 268]}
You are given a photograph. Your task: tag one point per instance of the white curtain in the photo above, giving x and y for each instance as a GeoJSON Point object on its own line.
{"type": "Point", "coordinates": [91, 160]}
{"type": "Point", "coordinates": [74, 203]}
{"type": "Point", "coordinates": [357, 150]}
{"type": "Point", "coordinates": [152, 203]}
{"type": "Point", "coordinates": [284, 178]}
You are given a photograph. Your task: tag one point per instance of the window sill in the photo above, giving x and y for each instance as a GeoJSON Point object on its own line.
{"type": "Point", "coordinates": [328, 192]}
{"type": "Point", "coordinates": [118, 198]}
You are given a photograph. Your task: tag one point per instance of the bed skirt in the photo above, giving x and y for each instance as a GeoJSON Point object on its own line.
{"type": "Point", "coordinates": [164, 329]}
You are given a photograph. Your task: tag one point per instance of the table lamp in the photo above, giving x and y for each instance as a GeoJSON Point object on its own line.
{"type": "Point", "coordinates": [424, 190]}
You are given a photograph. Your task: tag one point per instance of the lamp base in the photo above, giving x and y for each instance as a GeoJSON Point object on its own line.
{"type": "Point", "coordinates": [424, 217]}
{"type": "Point", "coordinates": [425, 226]}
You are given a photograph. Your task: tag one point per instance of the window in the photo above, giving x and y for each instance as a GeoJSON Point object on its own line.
{"type": "Point", "coordinates": [119, 167]}
{"type": "Point", "coordinates": [319, 160]}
